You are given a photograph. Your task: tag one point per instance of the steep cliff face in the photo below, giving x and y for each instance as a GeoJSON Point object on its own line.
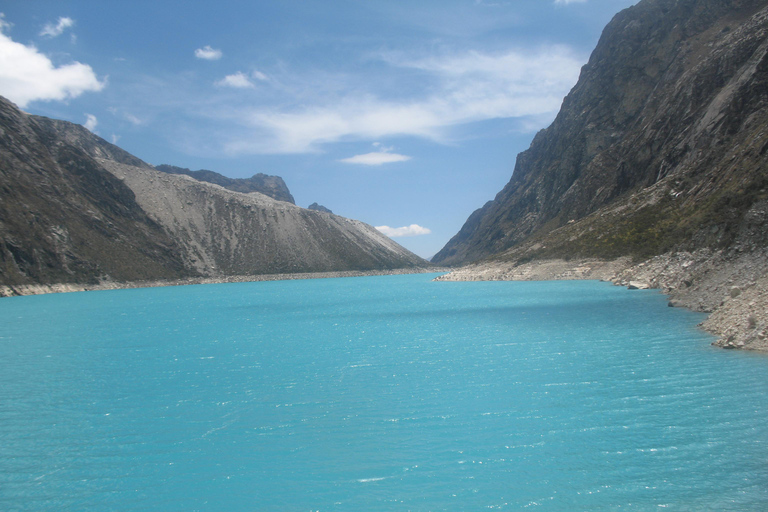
{"type": "Point", "coordinates": [63, 218]}
{"type": "Point", "coordinates": [661, 145]}
{"type": "Point", "coordinates": [76, 209]}
{"type": "Point", "coordinates": [272, 186]}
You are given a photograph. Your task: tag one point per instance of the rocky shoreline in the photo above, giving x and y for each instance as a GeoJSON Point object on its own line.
{"type": "Point", "coordinates": [38, 289]}
{"type": "Point", "coordinates": [732, 288]}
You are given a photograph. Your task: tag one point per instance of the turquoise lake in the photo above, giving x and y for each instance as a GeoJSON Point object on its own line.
{"type": "Point", "coordinates": [389, 393]}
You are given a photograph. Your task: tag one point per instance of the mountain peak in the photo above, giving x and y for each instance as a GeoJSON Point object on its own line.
{"type": "Point", "coordinates": [77, 209]}
{"type": "Point", "coordinates": [272, 186]}
{"type": "Point", "coordinates": [642, 157]}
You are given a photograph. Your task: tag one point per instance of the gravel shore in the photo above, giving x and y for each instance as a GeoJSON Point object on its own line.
{"type": "Point", "coordinates": [35, 289]}
{"type": "Point", "coordinates": [732, 288]}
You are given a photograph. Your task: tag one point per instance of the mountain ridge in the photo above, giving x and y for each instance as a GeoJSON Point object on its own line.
{"type": "Point", "coordinates": [76, 209]}
{"type": "Point", "coordinates": [652, 105]}
{"type": "Point", "coordinates": [272, 186]}
{"type": "Point", "coordinates": [654, 173]}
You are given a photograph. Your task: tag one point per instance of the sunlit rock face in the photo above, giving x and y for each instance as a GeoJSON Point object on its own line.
{"type": "Point", "coordinates": [662, 145]}
{"type": "Point", "coordinates": [76, 209]}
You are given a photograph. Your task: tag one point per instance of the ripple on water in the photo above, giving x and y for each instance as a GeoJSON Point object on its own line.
{"type": "Point", "coordinates": [375, 394]}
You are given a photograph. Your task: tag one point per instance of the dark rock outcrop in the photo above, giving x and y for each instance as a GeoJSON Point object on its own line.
{"type": "Point", "coordinates": [76, 209]}
{"type": "Point", "coordinates": [662, 145]}
{"type": "Point", "coordinates": [318, 208]}
{"type": "Point", "coordinates": [272, 186]}
{"type": "Point", "coordinates": [64, 218]}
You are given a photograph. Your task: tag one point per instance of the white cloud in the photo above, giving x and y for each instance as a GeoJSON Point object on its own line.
{"type": "Point", "coordinates": [115, 138]}
{"type": "Point", "coordinates": [239, 81]}
{"type": "Point", "coordinates": [51, 30]}
{"type": "Point", "coordinates": [566, 2]}
{"type": "Point", "coordinates": [412, 230]}
{"type": "Point", "coordinates": [464, 88]}
{"type": "Point", "coordinates": [4, 25]}
{"type": "Point", "coordinates": [27, 75]}
{"type": "Point", "coordinates": [384, 155]}
{"type": "Point", "coordinates": [375, 158]}
{"type": "Point", "coordinates": [208, 53]}
{"type": "Point", "coordinates": [90, 122]}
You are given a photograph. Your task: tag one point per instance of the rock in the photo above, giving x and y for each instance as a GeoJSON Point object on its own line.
{"type": "Point", "coordinates": [318, 208]}
{"type": "Point", "coordinates": [272, 186]}
{"type": "Point", "coordinates": [77, 209]}
{"type": "Point", "coordinates": [735, 292]}
{"type": "Point", "coordinates": [665, 128]}
{"type": "Point", "coordinates": [738, 323]}
{"type": "Point", "coordinates": [637, 285]}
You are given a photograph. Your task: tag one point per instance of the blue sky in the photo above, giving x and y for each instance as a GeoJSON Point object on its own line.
{"type": "Point", "coordinates": [404, 115]}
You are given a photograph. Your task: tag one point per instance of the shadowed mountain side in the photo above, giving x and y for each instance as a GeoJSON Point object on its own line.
{"type": "Point", "coordinates": [661, 145]}
{"type": "Point", "coordinates": [76, 209]}
{"type": "Point", "coordinates": [272, 186]}
{"type": "Point", "coordinates": [63, 218]}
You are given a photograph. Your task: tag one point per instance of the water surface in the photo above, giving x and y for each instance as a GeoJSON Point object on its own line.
{"type": "Point", "coordinates": [376, 393]}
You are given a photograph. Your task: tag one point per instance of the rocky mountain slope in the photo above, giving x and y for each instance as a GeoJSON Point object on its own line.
{"type": "Point", "coordinates": [654, 173]}
{"type": "Point", "coordinates": [231, 233]}
{"type": "Point", "coordinates": [319, 208]}
{"type": "Point", "coordinates": [63, 218]}
{"type": "Point", "coordinates": [76, 209]}
{"type": "Point", "coordinates": [662, 145]}
{"type": "Point", "coordinates": [272, 186]}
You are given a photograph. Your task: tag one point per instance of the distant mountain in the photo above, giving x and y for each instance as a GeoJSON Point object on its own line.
{"type": "Point", "coordinates": [272, 186]}
{"type": "Point", "coordinates": [76, 209]}
{"type": "Point", "coordinates": [319, 208]}
{"type": "Point", "coordinates": [662, 145]}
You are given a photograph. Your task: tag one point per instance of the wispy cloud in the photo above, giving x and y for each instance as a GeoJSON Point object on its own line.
{"type": "Point", "coordinates": [375, 158]}
{"type": "Point", "coordinates": [258, 75]}
{"type": "Point", "coordinates": [566, 2]}
{"type": "Point", "coordinates": [90, 122]}
{"type": "Point", "coordinates": [133, 119]}
{"type": "Point", "coordinates": [412, 230]}
{"type": "Point", "coordinates": [55, 30]}
{"type": "Point", "coordinates": [465, 88]}
{"type": "Point", "coordinates": [208, 53]}
{"type": "Point", "coordinates": [125, 115]}
{"type": "Point", "coordinates": [238, 80]}
{"type": "Point", "coordinates": [384, 155]}
{"type": "Point", "coordinates": [485, 3]}
{"type": "Point", "coordinates": [27, 75]}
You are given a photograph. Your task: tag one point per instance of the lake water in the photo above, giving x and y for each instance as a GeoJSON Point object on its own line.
{"type": "Point", "coordinates": [378, 393]}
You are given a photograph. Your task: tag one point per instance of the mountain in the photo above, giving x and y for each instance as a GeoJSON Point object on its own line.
{"type": "Point", "coordinates": [76, 209]}
{"type": "Point", "coordinates": [319, 208]}
{"type": "Point", "coordinates": [272, 186]}
{"type": "Point", "coordinates": [64, 218]}
{"type": "Point", "coordinates": [661, 146]}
